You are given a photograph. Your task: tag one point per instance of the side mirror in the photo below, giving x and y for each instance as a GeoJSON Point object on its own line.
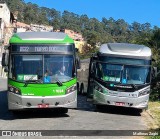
{"type": "Point", "coordinates": [154, 72]}
{"type": "Point", "coordinates": [5, 59]}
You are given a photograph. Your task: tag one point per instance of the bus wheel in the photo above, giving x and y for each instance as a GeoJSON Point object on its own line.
{"type": "Point", "coordinates": [63, 110]}
{"type": "Point", "coordinates": [82, 89]}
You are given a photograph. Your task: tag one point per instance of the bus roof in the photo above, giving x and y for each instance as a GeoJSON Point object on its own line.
{"type": "Point", "coordinates": [125, 49]}
{"type": "Point", "coordinates": [40, 37]}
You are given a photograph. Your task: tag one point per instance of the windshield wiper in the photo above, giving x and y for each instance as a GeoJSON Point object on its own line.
{"type": "Point", "coordinates": [59, 83]}
{"type": "Point", "coordinates": [26, 82]}
{"type": "Point", "coordinates": [30, 81]}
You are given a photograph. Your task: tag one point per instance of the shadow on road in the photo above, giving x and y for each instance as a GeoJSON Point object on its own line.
{"type": "Point", "coordinates": [119, 110]}
{"type": "Point", "coordinates": [88, 106]}
{"type": "Point", "coordinates": [43, 113]}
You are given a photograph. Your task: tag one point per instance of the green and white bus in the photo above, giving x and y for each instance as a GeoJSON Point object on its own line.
{"type": "Point", "coordinates": [41, 71]}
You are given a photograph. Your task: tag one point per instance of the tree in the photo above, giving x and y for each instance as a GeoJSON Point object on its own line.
{"type": "Point", "coordinates": [84, 22]}
{"type": "Point", "coordinates": [93, 38]}
{"type": "Point", "coordinates": [155, 43]}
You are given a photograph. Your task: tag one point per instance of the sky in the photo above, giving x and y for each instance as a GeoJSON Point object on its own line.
{"type": "Point", "coordinates": [141, 11]}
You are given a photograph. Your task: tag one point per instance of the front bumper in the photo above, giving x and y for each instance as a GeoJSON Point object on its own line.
{"type": "Point", "coordinates": [18, 102]}
{"type": "Point", "coordinates": [103, 99]}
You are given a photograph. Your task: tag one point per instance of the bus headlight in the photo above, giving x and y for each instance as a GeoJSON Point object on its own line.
{"type": "Point", "coordinates": [144, 92]}
{"type": "Point", "coordinates": [98, 88]}
{"type": "Point", "coordinates": [14, 90]}
{"type": "Point", "coordinates": [71, 89]}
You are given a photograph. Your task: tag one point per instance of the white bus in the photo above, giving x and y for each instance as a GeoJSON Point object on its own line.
{"type": "Point", "coordinates": [120, 75]}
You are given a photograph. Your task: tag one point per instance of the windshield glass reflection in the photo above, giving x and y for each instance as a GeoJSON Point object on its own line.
{"type": "Point", "coordinates": [43, 68]}
{"type": "Point", "coordinates": [125, 74]}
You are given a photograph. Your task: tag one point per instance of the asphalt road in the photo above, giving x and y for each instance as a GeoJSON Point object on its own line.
{"type": "Point", "coordinates": [85, 117]}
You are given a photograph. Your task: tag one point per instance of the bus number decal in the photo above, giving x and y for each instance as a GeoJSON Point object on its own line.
{"type": "Point", "coordinates": [24, 49]}
{"type": "Point", "coordinates": [58, 90]}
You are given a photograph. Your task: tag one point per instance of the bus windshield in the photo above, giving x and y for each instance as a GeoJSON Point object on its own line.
{"type": "Point", "coordinates": [125, 74]}
{"type": "Point", "coordinates": [42, 68]}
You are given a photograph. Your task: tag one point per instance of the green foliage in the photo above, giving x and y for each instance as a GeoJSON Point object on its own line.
{"type": "Point", "coordinates": [155, 93]}
{"type": "Point", "coordinates": [93, 30]}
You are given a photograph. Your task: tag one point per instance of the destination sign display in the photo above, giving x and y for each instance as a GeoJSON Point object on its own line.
{"type": "Point", "coordinates": [42, 48]}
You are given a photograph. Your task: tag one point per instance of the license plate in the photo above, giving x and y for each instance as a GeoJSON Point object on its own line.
{"type": "Point", "coordinates": [120, 103]}
{"type": "Point", "coordinates": [43, 105]}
